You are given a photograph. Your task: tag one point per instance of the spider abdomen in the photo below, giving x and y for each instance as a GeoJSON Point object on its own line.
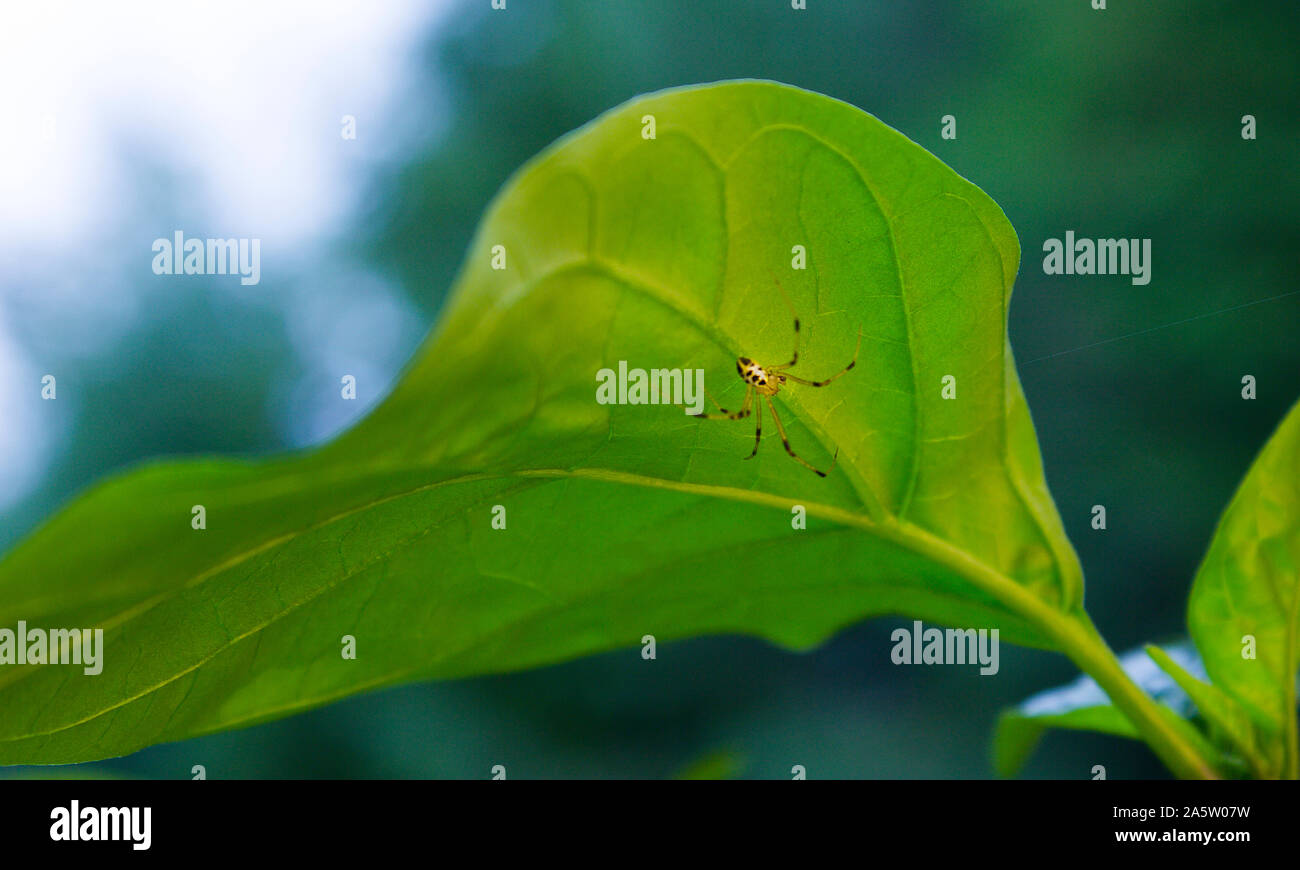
{"type": "Point", "coordinates": [752, 373]}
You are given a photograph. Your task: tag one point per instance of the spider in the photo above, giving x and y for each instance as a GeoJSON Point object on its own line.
{"type": "Point", "coordinates": [767, 382]}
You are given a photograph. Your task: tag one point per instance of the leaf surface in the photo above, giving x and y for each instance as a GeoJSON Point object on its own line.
{"type": "Point", "coordinates": [622, 520]}
{"type": "Point", "coordinates": [1244, 611]}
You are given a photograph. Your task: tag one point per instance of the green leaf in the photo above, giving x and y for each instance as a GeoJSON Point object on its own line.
{"type": "Point", "coordinates": [1083, 706]}
{"type": "Point", "coordinates": [1018, 734]}
{"type": "Point", "coordinates": [621, 520]}
{"type": "Point", "coordinates": [1225, 717]}
{"type": "Point", "coordinates": [1248, 587]}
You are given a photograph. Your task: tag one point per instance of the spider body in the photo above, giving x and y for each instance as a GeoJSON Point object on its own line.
{"type": "Point", "coordinates": [766, 382]}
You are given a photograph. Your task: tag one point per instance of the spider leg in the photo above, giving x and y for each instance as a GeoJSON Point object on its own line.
{"type": "Point", "coordinates": [793, 455]}
{"type": "Point", "coordinates": [729, 415]}
{"type": "Point", "coordinates": [758, 430]}
{"type": "Point", "coordinates": [841, 373]}
{"type": "Point", "coordinates": [794, 314]}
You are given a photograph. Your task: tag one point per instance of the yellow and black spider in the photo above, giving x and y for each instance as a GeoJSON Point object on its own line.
{"type": "Point", "coordinates": [767, 382]}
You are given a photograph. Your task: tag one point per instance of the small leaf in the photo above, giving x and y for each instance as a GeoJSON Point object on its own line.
{"type": "Point", "coordinates": [1244, 612]}
{"type": "Point", "coordinates": [1018, 733]}
{"type": "Point", "coordinates": [1083, 706]}
{"type": "Point", "coordinates": [619, 520]}
{"type": "Point", "coordinates": [1226, 719]}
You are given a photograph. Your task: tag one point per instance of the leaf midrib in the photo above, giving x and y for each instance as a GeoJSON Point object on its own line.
{"type": "Point", "coordinates": [1016, 598]}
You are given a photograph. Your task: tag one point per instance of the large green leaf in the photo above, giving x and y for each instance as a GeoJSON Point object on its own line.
{"type": "Point", "coordinates": [622, 520]}
{"type": "Point", "coordinates": [1244, 612]}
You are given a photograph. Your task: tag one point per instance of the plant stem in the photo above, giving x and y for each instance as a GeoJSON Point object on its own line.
{"type": "Point", "coordinates": [1079, 640]}
{"type": "Point", "coordinates": [1084, 646]}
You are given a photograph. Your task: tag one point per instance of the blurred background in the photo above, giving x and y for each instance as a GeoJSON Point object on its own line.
{"type": "Point", "coordinates": [127, 122]}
